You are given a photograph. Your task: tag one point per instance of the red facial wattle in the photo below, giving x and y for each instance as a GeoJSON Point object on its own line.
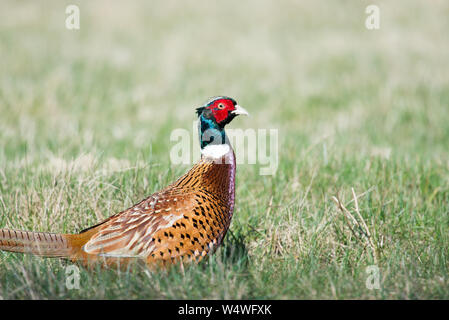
{"type": "Point", "coordinates": [221, 108]}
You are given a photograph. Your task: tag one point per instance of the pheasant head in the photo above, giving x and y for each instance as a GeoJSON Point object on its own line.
{"type": "Point", "coordinates": [213, 116]}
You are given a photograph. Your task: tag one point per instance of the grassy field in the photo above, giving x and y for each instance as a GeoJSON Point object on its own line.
{"type": "Point", "coordinates": [86, 117]}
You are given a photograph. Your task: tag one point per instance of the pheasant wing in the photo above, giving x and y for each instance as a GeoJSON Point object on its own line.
{"type": "Point", "coordinates": [131, 232]}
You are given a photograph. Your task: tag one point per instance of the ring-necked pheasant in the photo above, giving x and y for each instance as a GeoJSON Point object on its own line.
{"type": "Point", "coordinates": [185, 221]}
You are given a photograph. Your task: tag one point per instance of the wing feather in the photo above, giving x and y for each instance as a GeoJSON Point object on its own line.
{"type": "Point", "coordinates": [129, 233]}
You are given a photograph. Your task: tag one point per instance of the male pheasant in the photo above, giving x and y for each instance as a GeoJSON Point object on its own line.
{"type": "Point", "coordinates": [183, 222]}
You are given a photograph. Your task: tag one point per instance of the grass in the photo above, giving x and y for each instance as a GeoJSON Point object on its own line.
{"type": "Point", "coordinates": [86, 116]}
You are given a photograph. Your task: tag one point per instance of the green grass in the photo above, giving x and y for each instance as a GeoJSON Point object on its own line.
{"type": "Point", "coordinates": [86, 117]}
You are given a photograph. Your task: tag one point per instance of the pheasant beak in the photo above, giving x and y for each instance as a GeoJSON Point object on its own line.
{"type": "Point", "coordinates": [239, 110]}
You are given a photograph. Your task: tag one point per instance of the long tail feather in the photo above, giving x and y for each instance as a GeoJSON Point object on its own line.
{"type": "Point", "coordinates": [37, 243]}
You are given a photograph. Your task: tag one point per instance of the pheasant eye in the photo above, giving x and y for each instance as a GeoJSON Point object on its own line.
{"type": "Point", "coordinates": [220, 106]}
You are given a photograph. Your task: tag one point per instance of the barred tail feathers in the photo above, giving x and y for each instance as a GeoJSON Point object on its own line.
{"type": "Point", "coordinates": [37, 243]}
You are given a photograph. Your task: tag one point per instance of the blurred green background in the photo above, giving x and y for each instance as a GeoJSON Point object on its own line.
{"type": "Point", "coordinates": [86, 117]}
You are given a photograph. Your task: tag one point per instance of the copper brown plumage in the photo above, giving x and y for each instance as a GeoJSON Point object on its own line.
{"type": "Point", "coordinates": [185, 221]}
